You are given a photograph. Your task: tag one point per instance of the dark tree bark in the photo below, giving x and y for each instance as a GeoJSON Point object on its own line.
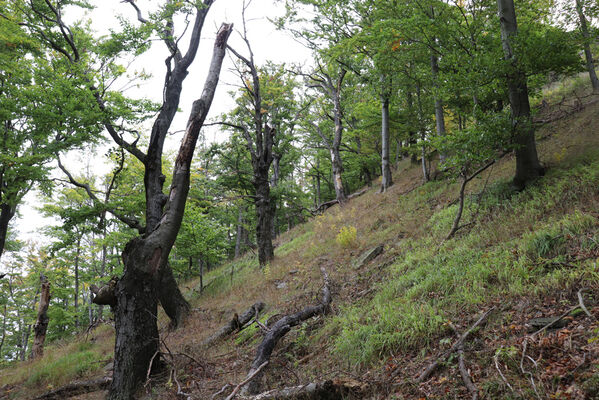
{"type": "Point", "coordinates": [147, 277]}
{"type": "Point", "coordinates": [528, 166]}
{"type": "Point", "coordinates": [6, 213]}
{"type": "Point", "coordinates": [41, 325]}
{"type": "Point", "coordinates": [584, 30]}
{"type": "Point", "coordinates": [386, 180]}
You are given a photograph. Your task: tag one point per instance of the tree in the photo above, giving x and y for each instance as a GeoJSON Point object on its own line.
{"type": "Point", "coordinates": [36, 120]}
{"type": "Point", "coordinates": [147, 277]}
{"type": "Point", "coordinates": [586, 37]}
{"type": "Point", "coordinates": [528, 166]}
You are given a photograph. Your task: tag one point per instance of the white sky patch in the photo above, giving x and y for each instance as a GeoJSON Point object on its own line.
{"type": "Point", "coordinates": [268, 44]}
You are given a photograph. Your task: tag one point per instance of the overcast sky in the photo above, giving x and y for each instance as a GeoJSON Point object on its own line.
{"type": "Point", "coordinates": [267, 43]}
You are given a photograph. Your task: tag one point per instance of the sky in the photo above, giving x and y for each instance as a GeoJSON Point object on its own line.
{"type": "Point", "coordinates": [267, 43]}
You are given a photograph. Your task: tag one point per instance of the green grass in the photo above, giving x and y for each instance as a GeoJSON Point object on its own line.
{"type": "Point", "coordinates": [434, 283]}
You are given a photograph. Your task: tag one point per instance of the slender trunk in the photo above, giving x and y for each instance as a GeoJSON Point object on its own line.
{"type": "Point", "coordinates": [318, 197]}
{"type": "Point", "coordinates": [76, 302]}
{"type": "Point", "coordinates": [3, 331]}
{"type": "Point", "coordinates": [386, 180]}
{"type": "Point", "coordinates": [238, 239]}
{"type": "Point", "coordinates": [41, 325]}
{"type": "Point", "coordinates": [412, 134]}
{"type": "Point", "coordinates": [439, 117]}
{"type": "Point", "coordinates": [274, 182]}
{"type": "Point", "coordinates": [584, 29]}
{"type": "Point", "coordinates": [201, 275]}
{"type": "Point", "coordinates": [425, 173]}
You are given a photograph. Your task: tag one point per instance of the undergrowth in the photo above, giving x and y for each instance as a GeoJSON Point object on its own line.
{"type": "Point", "coordinates": [543, 231]}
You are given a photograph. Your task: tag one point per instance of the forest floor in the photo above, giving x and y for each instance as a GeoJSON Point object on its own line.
{"type": "Point", "coordinates": [521, 257]}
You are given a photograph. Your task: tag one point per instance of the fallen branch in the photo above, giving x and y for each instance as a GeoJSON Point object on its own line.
{"type": "Point", "coordinates": [433, 366]}
{"type": "Point", "coordinates": [310, 391]}
{"type": "Point", "coordinates": [323, 206]}
{"type": "Point", "coordinates": [464, 373]}
{"type": "Point", "coordinates": [462, 367]}
{"type": "Point", "coordinates": [246, 381]}
{"type": "Point", "coordinates": [76, 388]}
{"type": "Point", "coordinates": [501, 373]}
{"type": "Point", "coordinates": [235, 324]}
{"type": "Point", "coordinates": [280, 328]}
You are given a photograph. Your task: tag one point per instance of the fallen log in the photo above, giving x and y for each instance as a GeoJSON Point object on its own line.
{"type": "Point", "coordinates": [235, 324]}
{"type": "Point", "coordinates": [76, 388]}
{"type": "Point", "coordinates": [280, 329]}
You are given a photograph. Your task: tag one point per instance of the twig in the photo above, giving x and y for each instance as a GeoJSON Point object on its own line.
{"type": "Point", "coordinates": [431, 368]}
{"type": "Point", "coordinates": [463, 371]}
{"type": "Point", "coordinates": [150, 367]}
{"type": "Point", "coordinates": [532, 381]}
{"type": "Point", "coordinates": [215, 395]}
{"type": "Point", "coordinates": [246, 381]}
{"type": "Point", "coordinates": [501, 373]}
{"type": "Point", "coordinates": [581, 303]}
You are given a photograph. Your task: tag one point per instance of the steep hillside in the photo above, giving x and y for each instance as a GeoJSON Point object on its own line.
{"type": "Point", "coordinates": [521, 257]}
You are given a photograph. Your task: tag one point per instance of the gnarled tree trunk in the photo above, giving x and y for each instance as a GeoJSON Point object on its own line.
{"type": "Point", "coordinates": [41, 325]}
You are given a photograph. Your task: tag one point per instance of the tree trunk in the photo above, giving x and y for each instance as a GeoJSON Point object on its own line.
{"type": "Point", "coordinates": [6, 214]}
{"type": "Point", "coordinates": [337, 170]}
{"type": "Point", "coordinates": [147, 276]}
{"type": "Point", "coordinates": [264, 214]}
{"type": "Point", "coordinates": [3, 331]}
{"type": "Point", "coordinates": [41, 326]}
{"type": "Point", "coordinates": [135, 315]}
{"type": "Point", "coordinates": [527, 162]}
{"type": "Point", "coordinates": [439, 117]}
{"type": "Point", "coordinates": [171, 298]}
{"type": "Point", "coordinates": [584, 29]}
{"type": "Point", "coordinates": [386, 180]}
{"type": "Point", "coordinates": [76, 302]}
{"type": "Point", "coordinates": [240, 229]}
{"type": "Point", "coordinates": [425, 173]}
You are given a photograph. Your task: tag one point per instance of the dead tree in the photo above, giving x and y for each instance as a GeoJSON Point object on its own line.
{"type": "Point", "coordinates": [280, 329]}
{"type": "Point", "coordinates": [41, 324]}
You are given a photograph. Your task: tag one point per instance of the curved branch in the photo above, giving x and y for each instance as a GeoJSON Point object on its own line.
{"type": "Point", "coordinates": [131, 222]}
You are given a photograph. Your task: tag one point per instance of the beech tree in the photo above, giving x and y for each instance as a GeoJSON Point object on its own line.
{"type": "Point", "coordinates": [147, 277]}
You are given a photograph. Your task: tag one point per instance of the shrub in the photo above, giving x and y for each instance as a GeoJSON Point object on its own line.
{"type": "Point", "coordinates": [347, 236]}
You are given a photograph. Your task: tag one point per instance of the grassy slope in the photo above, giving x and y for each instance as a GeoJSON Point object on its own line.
{"type": "Point", "coordinates": [527, 254]}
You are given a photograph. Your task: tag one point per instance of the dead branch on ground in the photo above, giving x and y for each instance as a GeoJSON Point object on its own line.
{"type": "Point", "coordinates": [235, 324]}
{"type": "Point", "coordinates": [279, 329]}
{"type": "Point", "coordinates": [433, 366]}
{"type": "Point", "coordinates": [76, 388]}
